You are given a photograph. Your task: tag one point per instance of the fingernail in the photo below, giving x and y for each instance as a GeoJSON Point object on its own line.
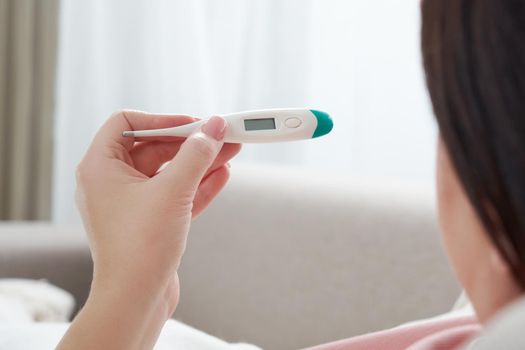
{"type": "Point", "coordinates": [215, 127]}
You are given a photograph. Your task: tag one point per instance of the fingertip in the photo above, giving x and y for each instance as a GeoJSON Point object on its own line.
{"type": "Point", "coordinates": [215, 127]}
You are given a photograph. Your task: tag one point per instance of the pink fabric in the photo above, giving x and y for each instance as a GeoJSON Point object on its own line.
{"type": "Point", "coordinates": [449, 333]}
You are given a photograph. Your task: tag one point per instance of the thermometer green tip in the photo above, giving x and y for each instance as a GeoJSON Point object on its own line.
{"type": "Point", "coordinates": [324, 123]}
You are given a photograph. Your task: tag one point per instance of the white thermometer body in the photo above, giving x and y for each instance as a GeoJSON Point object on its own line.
{"type": "Point", "coordinates": [262, 126]}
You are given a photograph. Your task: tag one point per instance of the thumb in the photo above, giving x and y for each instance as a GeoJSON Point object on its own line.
{"type": "Point", "coordinates": [196, 155]}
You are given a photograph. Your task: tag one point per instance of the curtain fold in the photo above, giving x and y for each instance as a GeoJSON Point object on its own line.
{"type": "Point", "coordinates": [27, 74]}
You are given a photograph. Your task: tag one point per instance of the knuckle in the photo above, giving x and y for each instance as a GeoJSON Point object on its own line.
{"type": "Point", "coordinates": [84, 172]}
{"type": "Point", "coordinates": [79, 197]}
{"type": "Point", "coordinates": [202, 147]}
{"type": "Point", "coordinates": [80, 172]}
{"type": "Point", "coordinates": [117, 114]}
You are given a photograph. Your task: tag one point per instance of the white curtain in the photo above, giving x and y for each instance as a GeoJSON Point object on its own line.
{"type": "Point", "coordinates": [356, 59]}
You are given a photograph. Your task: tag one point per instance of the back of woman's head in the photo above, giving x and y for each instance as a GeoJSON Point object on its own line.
{"type": "Point", "coordinates": [474, 54]}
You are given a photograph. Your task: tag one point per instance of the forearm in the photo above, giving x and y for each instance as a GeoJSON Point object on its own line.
{"type": "Point", "coordinates": [119, 317]}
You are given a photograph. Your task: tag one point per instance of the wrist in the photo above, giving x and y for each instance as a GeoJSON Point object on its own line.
{"type": "Point", "coordinates": [146, 278]}
{"type": "Point", "coordinates": [118, 316]}
{"type": "Point", "coordinates": [139, 292]}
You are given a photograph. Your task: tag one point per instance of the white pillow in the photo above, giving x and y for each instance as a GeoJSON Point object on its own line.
{"type": "Point", "coordinates": [33, 315]}
{"type": "Point", "coordinates": [24, 300]}
{"type": "Point", "coordinates": [174, 336]}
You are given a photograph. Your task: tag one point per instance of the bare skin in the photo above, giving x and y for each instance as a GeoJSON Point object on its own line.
{"type": "Point", "coordinates": [479, 267]}
{"type": "Point", "coordinates": [137, 221]}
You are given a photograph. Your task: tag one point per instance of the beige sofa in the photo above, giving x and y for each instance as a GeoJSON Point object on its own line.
{"type": "Point", "coordinates": [282, 259]}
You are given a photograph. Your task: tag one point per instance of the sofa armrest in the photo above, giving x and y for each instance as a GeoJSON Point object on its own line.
{"type": "Point", "coordinates": [43, 251]}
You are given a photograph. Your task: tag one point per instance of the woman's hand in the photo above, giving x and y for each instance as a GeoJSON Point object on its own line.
{"type": "Point", "coordinates": [137, 220]}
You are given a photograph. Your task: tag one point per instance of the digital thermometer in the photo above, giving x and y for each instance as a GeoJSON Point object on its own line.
{"type": "Point", "coordinates": [262, 126]}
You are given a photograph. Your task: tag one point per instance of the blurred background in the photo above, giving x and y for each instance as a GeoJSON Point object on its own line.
{"type": "Point", "coordinates": [66, 65]}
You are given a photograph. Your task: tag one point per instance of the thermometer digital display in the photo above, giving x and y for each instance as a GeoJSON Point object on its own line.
{"type": "Point", "coordinates": [259, 126]}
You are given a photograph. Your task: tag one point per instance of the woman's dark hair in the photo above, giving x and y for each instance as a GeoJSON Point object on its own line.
{"type": "Point", "coordinates": [474, 56]}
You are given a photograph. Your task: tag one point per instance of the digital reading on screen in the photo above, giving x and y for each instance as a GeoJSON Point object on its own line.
{"type": "Point", "coordinates": [259, 124]}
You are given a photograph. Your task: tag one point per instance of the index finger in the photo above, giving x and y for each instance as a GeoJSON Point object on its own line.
{"type": "Point", "coordinates": [110, 134]}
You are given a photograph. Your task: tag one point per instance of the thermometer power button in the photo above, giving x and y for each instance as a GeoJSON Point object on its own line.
{"type": "Point", "coordinates": [293, 122]}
